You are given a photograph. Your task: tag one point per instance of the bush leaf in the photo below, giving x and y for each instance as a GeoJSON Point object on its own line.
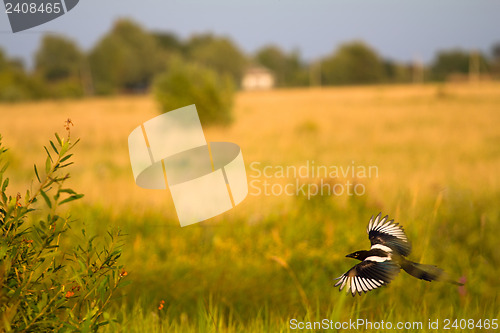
{"type": "Point", "coordinates": [71, 198]}
{"type": "Point", "coordinates": [46, 198]}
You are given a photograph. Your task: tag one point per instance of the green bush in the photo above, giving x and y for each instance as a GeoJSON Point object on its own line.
{"type": "Point", "coordinates": [187, 83]}
{"type": "Point", "coordinates": [16, 86]}
{"type": "Point", "coordinates": [47, 281]}
{"type": "Point", "coordinates": [353, 63]}
{"type": "Point", "coordinates": [69, 88]}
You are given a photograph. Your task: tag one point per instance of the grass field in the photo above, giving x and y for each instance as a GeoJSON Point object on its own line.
{"type": "Point", "coordinates": [436, 150]}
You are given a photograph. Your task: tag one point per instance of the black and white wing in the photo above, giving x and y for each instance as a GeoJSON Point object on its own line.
{"type": "Point", "coordinates": [388, 236]}
{"type": "Point", "coordinates": [368, 275]}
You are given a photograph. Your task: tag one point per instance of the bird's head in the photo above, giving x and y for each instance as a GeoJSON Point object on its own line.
{"type": "Point", "coordinates": [356, 255]}
{"type": "Point", "coordinates": [353, 255]}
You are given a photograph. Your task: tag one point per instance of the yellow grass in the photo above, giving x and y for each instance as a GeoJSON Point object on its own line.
{"type": "Point", "coordinates": [421, 138]}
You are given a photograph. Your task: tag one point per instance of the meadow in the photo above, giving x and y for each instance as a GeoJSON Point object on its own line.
{"type": "Point", "coordinates": [436, 150]}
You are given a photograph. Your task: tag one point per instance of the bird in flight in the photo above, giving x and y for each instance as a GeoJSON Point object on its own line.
{"type": "Point", "coordinates": [381, 264]}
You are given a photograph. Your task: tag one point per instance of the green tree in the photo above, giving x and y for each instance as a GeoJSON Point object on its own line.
{"type": "Point", "coordinates": [495, 61]}
{"type": "Point", "coordinates": [60, 64]}
{"type": "Point", "coordinates": [353, 63]}
{"type": "Point", "coordinates": [395, 72]}
{"type": "Point", "coordinates": [217, 53]}
{"type": "Point", "coordinates": [3, 60]}
{"type": "Point", "coordinates": [169, 41]}
{"type": "Point", "coordinates": [454, 61]}
{"type": "Point", "coordinates": [450, 62]}
{"type": "Point", "coordinates": [58, 58]}
{"type": "Point", "coordinates": [126, 58]}
{"type": "Point", "coordinates": [16, 84]}
{"type": "Point", "coordinates": [289, 69]}
{"type": "Point", "coordinates": [185, 83]}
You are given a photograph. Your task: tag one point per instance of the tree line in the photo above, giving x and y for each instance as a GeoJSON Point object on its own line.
{"type": "Point", "coordinates": [128, 59]}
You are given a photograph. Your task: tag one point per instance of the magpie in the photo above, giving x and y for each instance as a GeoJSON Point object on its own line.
{"type": "Point", "coordinates": [380, 265]}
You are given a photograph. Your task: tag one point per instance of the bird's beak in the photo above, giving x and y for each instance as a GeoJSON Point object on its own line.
{"type": "Point", "coordinates": [350, 255]}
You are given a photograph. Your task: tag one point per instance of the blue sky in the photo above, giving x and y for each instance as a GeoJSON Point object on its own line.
{"type": "Point", "coordinates": [397, 29]}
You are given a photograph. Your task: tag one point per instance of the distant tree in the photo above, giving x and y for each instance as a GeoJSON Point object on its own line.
{"type": "Point", "coordinates": [169, 41]}
{"type": "Point", "coordinates": [495, 50]}
{"type": "Point", "coordinates": [450, 62]}
{"type": "Point", "coordinates": [353, 63]}
{"type": "Point", "coordinates": [289, 69]}
{"type": "Point", "coordinates": [275, 59]}
{"type": "Point", "coordinates": [16, 84]}
{"type": "Point", "coordinates": [454, 61]}
{"type": "Point", "coordinates": [395, 72]}
{"type": "Point", "coordinates": [10, 63]}
{"type": "Point", "coordinates": [198, 40]}
{"type": "Point", "coordinates": [3, 60]}
{"type": "Point", "coordinates": [217, 53]}
{"type": "Point", "coordinates": [495, 61]}
{"type": "Point", "coordinates": [127, 58]}
{"type": "Point", "coordinates": [58, 58]}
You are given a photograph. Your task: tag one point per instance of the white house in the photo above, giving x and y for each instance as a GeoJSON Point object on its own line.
{"type": "Point", "coordinates": [257, 78]}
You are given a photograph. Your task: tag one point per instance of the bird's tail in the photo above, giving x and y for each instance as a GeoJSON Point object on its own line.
{"type": "Point", "coordinates": [427, 272]}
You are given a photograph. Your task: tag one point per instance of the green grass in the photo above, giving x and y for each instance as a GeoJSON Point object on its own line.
{"type": "Point", "coordinates": [273, 259]}
{"type": "Point", "coordinates": [233, 276]}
